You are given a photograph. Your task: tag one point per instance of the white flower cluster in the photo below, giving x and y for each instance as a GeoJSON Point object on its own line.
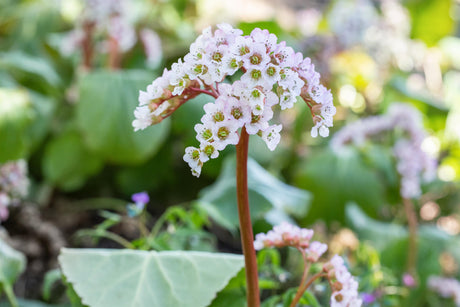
{"type": "Point", "coordinates": [344, 286]}
{"type": "Point", "coordinates": [272, 73]}
{"type": "Point", "coordinates": [412, 161]}
{"type": "Point", "coordinates": [105, 18]}
{"type": "Point", "coordinates": [14, 185]}
{"type": "Point", "coordinates": [446, 287]}
{"type": "Point", "coordinates": [285, 234]}
{"type": "Point", "coordinates": [385, 35]}
{"type": "Point", "coordinates": [349, 20]}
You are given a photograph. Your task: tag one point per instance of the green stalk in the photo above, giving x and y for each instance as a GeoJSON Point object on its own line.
{"type": "Point", "coordinates": [10, 294]}
{"type": "Point", "coordinates": [247, 237]}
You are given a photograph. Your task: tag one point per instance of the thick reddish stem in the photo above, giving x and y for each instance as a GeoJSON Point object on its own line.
{"type": "Point", "coordinates": [87, 45]}
{"type": "Point", "coordinates": [412, 246]}
{"type": "Point", "coordinates": [114, 54]}
{"type": "Point", "coordinates": [247, 237]}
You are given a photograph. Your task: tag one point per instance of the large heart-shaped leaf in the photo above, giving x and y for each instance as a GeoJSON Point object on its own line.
{"type": "Point", "coordinates": [124, 278]}
{"type": "Point", "coordinates": [105, 113]}
{"type": "Point", "coordinates": [269, 198]}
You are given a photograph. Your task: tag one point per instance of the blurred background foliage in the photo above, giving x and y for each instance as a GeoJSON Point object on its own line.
{"type": "Point", "coordinates": [72, 123]}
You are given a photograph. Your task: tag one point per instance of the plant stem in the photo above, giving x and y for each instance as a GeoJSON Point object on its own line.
{"type": "Point", "coordinates": [303, 288]}
{"type": "Point", "coordinates": [412, 246]}
{"type": "Point", "coordinates": [10, 294]}
{"type": "Point", "coordinates": [304, 277]}
{"type": "Point", "coordinates": [247, 237]}
{"type": "Point", "coordinates": [87, 45]}
{"type": "Point", "coordinates": [200, 90]}
{"type": "Point", "coordinates": [108, 235]}
{"type": "Point", "coordinates": [114, 54]}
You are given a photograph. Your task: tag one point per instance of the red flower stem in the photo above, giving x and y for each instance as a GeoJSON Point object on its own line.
{"type": "Point", "coordinates": [114, 54]}
{"type": "Point", "coordinates": [214, 90]}
{"type": "Point", "coordinates": [412, 246]}
{"type": "Point", "coordinates": [304, 288]}
{"type": "Point", "coordinates": [200, 90]}
{"type": "Point", "coordinates": [247, 237]}
{"type": "Point", "coordinates": [87, 45]}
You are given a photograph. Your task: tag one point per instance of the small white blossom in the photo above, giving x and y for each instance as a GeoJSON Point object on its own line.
{"type": "Point", "coordinates": [272, 136]}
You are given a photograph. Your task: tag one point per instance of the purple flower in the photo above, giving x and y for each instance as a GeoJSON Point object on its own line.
{"type": "Point", "coordinates": [141, 199]}
{"type": "Point", "coordinates": [408, 280]}
{"type": "Point", "coordinates": [368, 298]}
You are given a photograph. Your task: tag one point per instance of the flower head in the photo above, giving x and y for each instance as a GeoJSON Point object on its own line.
{"type": "Point", "coordinates": [272, 73]}
{"type": "Point", "coordinates": [413, 164]}
{"type": "Point", "coordinates": [284, 234]}
{"type": "Point", "coordinates": [344, 286]}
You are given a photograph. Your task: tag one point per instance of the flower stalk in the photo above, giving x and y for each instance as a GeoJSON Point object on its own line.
{"type": "Point", "coordinates": [244, 215]}
{"type": "Point", "coordinates": [412, 246]}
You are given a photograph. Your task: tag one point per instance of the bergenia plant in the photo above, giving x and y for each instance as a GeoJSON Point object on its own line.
{"type": "Point", "coordinates": [412, 163]}
{"type": "Point", "coordinates": [105, 26]}
{"type": "Point", "coordinates": [271, 74]}
{"type": "Point", "coordinates": [344, 287]}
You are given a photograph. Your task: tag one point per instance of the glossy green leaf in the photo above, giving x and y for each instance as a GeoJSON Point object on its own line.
{"type": "Point", "coordinates": [335, 180]}
{"type": "Point", "coordinates": [29, 64]}
{"type": "Point", "coordinates": [12, 264]}
{"type": "Point", "coordinates": [105, 113]}
{"type": "Point", "coordinates": [15, 117]}
{"type": "Point", "coordinates": [124, 278]}
{"type": "Point", "coordinates": [67, 163]}
{"type": "Point", "coordinates": [269, 198]}
{"type": "Point", "coordinates": [392, 241]}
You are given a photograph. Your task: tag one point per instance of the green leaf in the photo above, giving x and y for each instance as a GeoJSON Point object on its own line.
{"type": "Point", "coordinates": [29, 303]}
{"type": "Point", "coordinates": [51, 277]}
{"type": "Point", "coordinates": [105, 113]}
{"type": "Point", "coordinates": [15, 116]}
{"type": "Point", "coordinates": [335, 180]}
{"type": "Point", "coordinates": [67, 163]}
{"type": "Point", "coordinates": [269, 198]}
{"type": "Point", "coordinates": [379, 233]}
{"type": "Point", "coordinates": [431, 19]}
{"type": "Point", "coordinates": [30, 65]}
{"type": "Point", "coordinates": [12, 264]}
{"type": "Point", "coordinates": [391, 240]}
{"type": "Point", "coordinates": [123, 278]}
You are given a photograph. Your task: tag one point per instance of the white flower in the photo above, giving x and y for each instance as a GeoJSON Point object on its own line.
{"type": "Point", "coordinates": [152, 46]}
{"type": "Point", "coordinates": [272, 136]}
{"type": "Point", "coordinates": [344, 286]}
{"type": "Point", "coordinates": [284, 234]}
{"type": "Point", "coordinates": [315, 251]}
{"type": "Point", "coordinates": [143, 117]}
